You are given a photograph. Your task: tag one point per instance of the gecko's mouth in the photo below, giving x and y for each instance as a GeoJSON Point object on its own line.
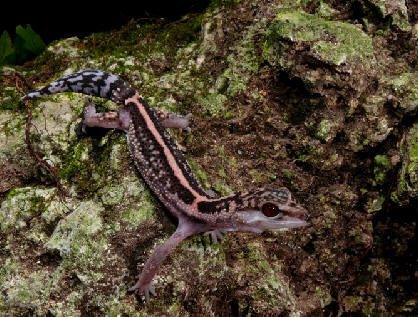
{"type": "Point", "coordinates": [291, 222]}
{"type": "Point", "coordinates": [255, 220]}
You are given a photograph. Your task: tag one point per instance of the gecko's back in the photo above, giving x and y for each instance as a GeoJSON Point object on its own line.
{"type": "Point", "coordinates": [154, 152]}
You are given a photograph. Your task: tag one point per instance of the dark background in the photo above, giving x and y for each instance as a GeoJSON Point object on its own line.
{"type": "Point", "coordinates": [62, 19]}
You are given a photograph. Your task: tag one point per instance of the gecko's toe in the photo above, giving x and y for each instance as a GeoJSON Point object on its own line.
{"type": "Point", "coordinates": [146, 290]}
{"type": "Point", "coordinates": [146, 293]}
{"type": "Point", "coordinates": [215, 235]}
{"type": "Point", "coordinates": [132, 289]}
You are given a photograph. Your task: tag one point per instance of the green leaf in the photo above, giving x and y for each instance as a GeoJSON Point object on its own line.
{"type": "Point", "coordinates": [29, 40]}
{"type": "Point", "coordinates": [7, 51]}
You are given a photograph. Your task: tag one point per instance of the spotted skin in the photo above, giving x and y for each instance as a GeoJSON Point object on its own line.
{"type": "Point", "coordinates": [164, 168]}
{"type": "Point", "coordinates": [153, 164]}
{"type": "Point", "coordinates": [245, 200]}
{"type": "Point", "coordinates": [96, 83]}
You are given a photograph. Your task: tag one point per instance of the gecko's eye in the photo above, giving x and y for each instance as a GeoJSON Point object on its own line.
{"type": "Point", "coordinates": [270, 210]}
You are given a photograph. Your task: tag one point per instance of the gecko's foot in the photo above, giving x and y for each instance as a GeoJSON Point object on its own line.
{"type": "Point", "coordinates": [145, 290]}
{"type": "Point", "coordinates": [89, 111]}
{"type": "Point", "coordinates": [187, 129]}
{"type": "Point", "coordinates": [80, 130]}
{"type": "Point", "coordinates": [175, 120]}
{"type": "Point", "coordinates": [215, 235]}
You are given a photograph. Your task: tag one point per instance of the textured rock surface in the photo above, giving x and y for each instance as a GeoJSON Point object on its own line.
{"type": "Point", "coordinates": [318, 96]}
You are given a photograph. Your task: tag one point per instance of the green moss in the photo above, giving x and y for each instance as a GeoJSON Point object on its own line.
{"type": "Point", "coordinates": [333, 42]}
{"type": "Point", "coordinates": [397, 12]}
{"type": "Point", "coordinates": [324, 130]}
{"type": "Point", "coordinates": [270, 290]}
{"type": "Point", "coordinates": [352, 303]}
{"type": "Point", "coordinates": [133, 217]}
{"type": "Point", "coordinates": [221, 3]}
{"type": "Point", "coordinates": [223, 188]}
{"type": "Point", "coordinates": [9, 98]}
{"type": "Point", "coordinates": [112, 195]}
{"type": "Point", "coordinates": [8, 268]}
{"type": "Point", "coordinates": [23, 288]}
{"type": "Point", "coordinates": [222, 173]}
{"type": "Point", "coordinates": [131, 199]}
{"type": "Point", "coordinates": [381, 167]}
{"type": "Point", "coordinates": [65, 48]}
{"type": "Point", "coordinates": [75, 161]}
{"type": "Point", "coordinates": [395, 198]}
{"type": "Point", "coordinates": [408, 178]}
{"type": "Point", "coordinates": [405, 89]}
{"type": "Point", "coordinates": [323, 295]}
{"type": "Point", "coordinates": [11, 127]}
{"type": "Point", "coordinates": [200, 173]}
{"type": "Point", "coordinates": [330, 216]}
{"type": "Point", "coordinates": [142, 40]}
{"type": "Point", "coordinates": [213, 105]}
{"type": "Point", "coordinates": [184, 32]}
{"type": "Point", "coordinates": [29, 290]}
{"type": "Point", "coordinates": [325, 10]}
{"type": "Point", "coordinates": [359, 236]}
{"type": "Point", "coordinates": [243, 62]}
{"type": "Point", "coordinates": [375, 204]}
{"type": "Point", "coordinates": [257, 176]}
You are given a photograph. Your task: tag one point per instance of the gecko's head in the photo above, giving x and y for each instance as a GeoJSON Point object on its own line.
{"type": "Point", "coordinates": [269, 209]}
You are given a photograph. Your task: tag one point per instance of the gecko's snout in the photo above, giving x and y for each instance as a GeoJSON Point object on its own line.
{"type": "Point", "coordinates": [271, 209]}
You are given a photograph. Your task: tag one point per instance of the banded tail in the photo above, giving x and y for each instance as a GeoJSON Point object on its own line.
{"type": "Point", "coordinates": [97, 83]}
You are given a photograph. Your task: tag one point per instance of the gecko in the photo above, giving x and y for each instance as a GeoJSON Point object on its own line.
{"type": "Point", "coordinates": [165, 170]}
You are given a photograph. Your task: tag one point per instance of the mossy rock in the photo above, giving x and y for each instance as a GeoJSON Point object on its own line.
{"type": "Point", "coordinates": [408, 176]}
{"type": "Point", "coordinates": [280, 96]}
{"type": "Point", "coordinates": [404, 88]}
{"type": "Point", "coordinates": [298, 42]}
{"type": "Point", "coordinates": [395, 10]}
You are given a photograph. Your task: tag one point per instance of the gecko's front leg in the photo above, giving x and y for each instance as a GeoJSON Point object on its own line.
{"type": "Point", "coordinates": [144, 283]}
{"type": "Point", "coordinates": [120, 120]}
